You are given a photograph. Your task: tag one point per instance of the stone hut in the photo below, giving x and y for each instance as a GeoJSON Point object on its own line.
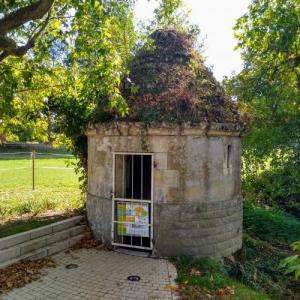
{"type": "Point", "coordinates": [166, 178]}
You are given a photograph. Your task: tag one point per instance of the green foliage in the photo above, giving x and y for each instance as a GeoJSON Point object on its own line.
{"type": "Point", "coordinates": [72, 74]}
{"type": "Point", "coordinates": [268, 88]}
{"type": "Point", "coordinates": [265, 244]}
{"type": "Point", "coordinates": [170, 13]}
{"type": "Point", "coordinates": [278, 185]}
{"type": "Point", "coordinates": [268, 36]}
{"type": "Point", "coordinates": [203, 272]}
{"type": "Point", "coordinates": [270, 225]}
{"type": "Point", "coordinates": [291, 264]}
{"type": "Point", "coordinates": [205, 278]}
{"type": "Point", "coordinates": [148, 115]}
{"type": "Point", "coordinates": [296, 246]}
{"type": "Point", "coordinates": [96, 68]}
{"type": "Point", "coordinates": [25, 82]}
{"type": "Point", "coordinates": [257, 266]}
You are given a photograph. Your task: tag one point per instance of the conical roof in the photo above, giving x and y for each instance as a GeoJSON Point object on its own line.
{"type": "Point", "coordinates": [169, 82]}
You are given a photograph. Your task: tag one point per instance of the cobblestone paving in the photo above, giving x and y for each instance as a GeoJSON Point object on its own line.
{"type": "Point", "coordinates": [101, 275]}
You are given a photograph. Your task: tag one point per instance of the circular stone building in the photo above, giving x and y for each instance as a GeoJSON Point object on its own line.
{"type": "Point", "coordinates": [167, 178]}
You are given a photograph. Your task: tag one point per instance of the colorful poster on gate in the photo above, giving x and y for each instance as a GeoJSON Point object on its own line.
{"type": "Point", "coordinates": [136, 216]}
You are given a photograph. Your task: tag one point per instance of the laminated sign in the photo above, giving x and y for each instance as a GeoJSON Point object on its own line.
{"type": "Point", "coordinates": [135, 217]}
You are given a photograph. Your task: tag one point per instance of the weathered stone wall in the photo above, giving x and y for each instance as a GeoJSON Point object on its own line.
{"type": "Point", "coordinates": [197, 196]}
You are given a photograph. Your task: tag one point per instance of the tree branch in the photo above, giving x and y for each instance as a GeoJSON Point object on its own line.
{"type": "Point", "coordinates": [9, 46]}
{"type": "Point", "coordinates": [39, 89]}
{"type": "Point", "coordinates": [23, 15]}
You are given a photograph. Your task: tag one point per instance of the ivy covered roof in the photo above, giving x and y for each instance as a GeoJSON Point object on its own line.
{"type": "Point", "coordinates": [169, 82]}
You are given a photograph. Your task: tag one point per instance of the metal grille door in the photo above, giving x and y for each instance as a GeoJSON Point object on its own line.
{"type": "Point", "coordinates": [132, 210]}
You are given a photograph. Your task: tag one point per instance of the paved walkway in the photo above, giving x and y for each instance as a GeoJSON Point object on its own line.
{"type": "Point", "coordinates": [101, 275]}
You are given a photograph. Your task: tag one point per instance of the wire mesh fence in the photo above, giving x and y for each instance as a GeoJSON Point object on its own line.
{"type": "Point", "coordinates": [32, 182]}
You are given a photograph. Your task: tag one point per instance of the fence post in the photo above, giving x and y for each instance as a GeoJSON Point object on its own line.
{"type": "Point", "coordinates": [33, 174]}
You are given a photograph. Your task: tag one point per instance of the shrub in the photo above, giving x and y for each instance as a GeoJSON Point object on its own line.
{"type": "Point", "coordinates": [291, 264]}
{"type": "Point", "coordinates": [265, 244]}
{"type": "Point", "coordinates": [277, 186]}
{"type": "Point", "coordinates": [273, 226]}
{"type": "Point", "coordinates": [258, 268]}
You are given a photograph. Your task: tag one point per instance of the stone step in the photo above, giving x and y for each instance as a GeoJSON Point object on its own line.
{"type": "Point", "coordinates": [22, 249]}
{"type": "Point", "coordinates": [22, 237]}
{"type": "Point", "coordinates": [45, 251]}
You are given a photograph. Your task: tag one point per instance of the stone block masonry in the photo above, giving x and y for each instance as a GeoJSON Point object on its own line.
{"type": "Point", "coordinates": [197, 192]}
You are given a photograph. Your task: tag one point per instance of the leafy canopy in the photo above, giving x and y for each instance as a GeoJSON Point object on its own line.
{"type": "Point", "coordinates": [73, 70]}
{"type": "Point", "coordinates": [269, 37]}
{"type": "Point", "coordinates": [268, 87]}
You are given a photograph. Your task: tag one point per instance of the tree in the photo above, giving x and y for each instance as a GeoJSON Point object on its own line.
{"type": "Point", "coordinates": [14, 19]}
{"type": "Point", "coordinates": [73, 73]}
{"type": "Point", "coordinates": [268, 87]}
{"type": "Point", "coordinates": [64, 50]}
{"type": "Point", "coordinates": [97, 59]}
{"type": "Point", "coordinates": [170, 13]}
{"type": "Point", "coordinates": [269, 37]}
{"type": "Point", "coordinates": [31, 70]}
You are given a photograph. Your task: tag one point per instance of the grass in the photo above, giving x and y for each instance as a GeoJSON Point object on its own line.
{"type": "Point", "coordinates": [204, 278]}
{"type": "Point", "coordinates": [13, 227]}
{"type": "Point", "coordinates": [56, 185]}
{"type": "Point", "coordinates": [243, 292]}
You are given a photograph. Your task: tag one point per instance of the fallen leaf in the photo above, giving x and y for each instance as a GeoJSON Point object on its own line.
{"type": "Point", "coordinates": [171, 287]}
{"type": "Point", "coordinates": [20, 273]}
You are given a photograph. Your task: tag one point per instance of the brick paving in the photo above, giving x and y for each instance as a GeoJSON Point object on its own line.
{"type": "Point", "coordinates": [101, 275]}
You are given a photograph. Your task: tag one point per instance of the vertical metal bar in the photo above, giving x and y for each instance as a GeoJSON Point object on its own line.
{"type": "Point", "coordinates": [123, 181]}
{"type": "Point", "coordinates": [142, 170]}
{"type": "Point", "coordinates": [123, 218]}
{"type": "Point", "coordinates": [113, 229]}
{"type": "Point", "coordinates": [132, 165]}
{"type": "Point", "coordinates": [151, 204]}
{"type": "Point", "coordinates": [33, 170]}
{"type": "Point", "coordinates": [113, 202]}
{"type": "Point", "coordinates": [124, 203]}
{"type": "Point", "coordinates": [132, 156]}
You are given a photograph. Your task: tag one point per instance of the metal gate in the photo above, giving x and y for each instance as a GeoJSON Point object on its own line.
{"type": "Point", "coordinates": [132, 209]}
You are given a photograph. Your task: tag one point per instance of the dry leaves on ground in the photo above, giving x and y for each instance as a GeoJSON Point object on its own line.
{"type": "Point", "coordinates": [223, 292]}
{"type": "Point", "coordinates": [89, 242]}
{"type": "Point", "coordinates": [190, 292]}
{"type": "Point", "coordinates": [23, 272]}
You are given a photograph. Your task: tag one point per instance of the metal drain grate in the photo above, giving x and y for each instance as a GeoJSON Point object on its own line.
{"type": "Point", "coordinates": [71, 266]}
{"type": "Point", "coordinates": [134, 278]}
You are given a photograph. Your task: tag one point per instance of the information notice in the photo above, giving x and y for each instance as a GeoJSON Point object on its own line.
{"type": "Point", "coordinates": [135, 217]}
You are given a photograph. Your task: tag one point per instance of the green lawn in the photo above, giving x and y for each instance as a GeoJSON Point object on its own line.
{"type": "Point", "coordinates": [13, 227]}
{"type": "Point", "coordinates": [56, 184]}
